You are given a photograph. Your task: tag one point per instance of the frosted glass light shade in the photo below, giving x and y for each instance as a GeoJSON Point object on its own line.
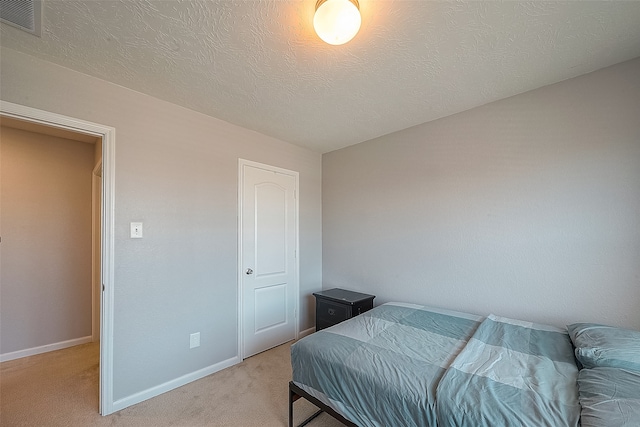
{"type": "Point", "coordinates": [337, 21]}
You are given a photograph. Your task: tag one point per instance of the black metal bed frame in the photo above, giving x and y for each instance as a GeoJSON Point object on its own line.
{"type": "Point", "coordinates": [296, 393]}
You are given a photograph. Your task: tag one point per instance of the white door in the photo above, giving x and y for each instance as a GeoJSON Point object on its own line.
{"type": "Point", "coordinates": [268, 261]}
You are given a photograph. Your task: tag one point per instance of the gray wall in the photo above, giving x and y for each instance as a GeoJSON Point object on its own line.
{"type": "Point", "coordinates": [45, 194]}
{"type": "Point", "coordinates": [528, 207]}
{"type": "Point", "coordinates": [177, 172]}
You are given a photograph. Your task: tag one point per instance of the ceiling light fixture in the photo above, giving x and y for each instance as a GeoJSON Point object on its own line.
{"type": "Point", "coordinates": [337, 21]}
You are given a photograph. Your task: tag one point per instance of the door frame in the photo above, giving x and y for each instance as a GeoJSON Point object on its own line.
{"type": "Point", "coordinates": [242, 163]}
{"type": "Point", "coordinates": [96, 286]}
{"type": "Point", "coordinates": [108, 135]}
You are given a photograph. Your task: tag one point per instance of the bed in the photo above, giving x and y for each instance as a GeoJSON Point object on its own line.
{"type": "Point", "coordinates": [408, 365]}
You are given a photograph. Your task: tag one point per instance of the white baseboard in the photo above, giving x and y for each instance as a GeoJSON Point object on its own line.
{"type": "Point", "coordinates": [43, 349]}
{"type": "Point", "coordinates": [306, 332]}
{"type": "Point", "coordinates": [173, 384]}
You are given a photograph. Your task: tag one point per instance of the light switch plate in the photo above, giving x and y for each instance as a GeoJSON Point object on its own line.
{"type": "Point", "coordinates": [136, 230]}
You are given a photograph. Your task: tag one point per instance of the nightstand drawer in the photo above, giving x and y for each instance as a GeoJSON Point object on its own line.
{"type": "Point", "coordinates": [329, 313]}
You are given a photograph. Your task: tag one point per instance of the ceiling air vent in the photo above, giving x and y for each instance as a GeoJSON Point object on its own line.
{"type": "Point", "coordinates": [23, 14]}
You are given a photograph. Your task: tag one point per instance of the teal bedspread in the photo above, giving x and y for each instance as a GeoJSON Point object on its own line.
{"type": "Point", "coordinates": [511, 373]}
{"type": "Point", "coordinates": [381, 368]}
{"type": "Point", "coordinates": [408, 365]}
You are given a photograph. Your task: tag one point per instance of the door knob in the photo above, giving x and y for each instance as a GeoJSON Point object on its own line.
{"type": "Point", "coordinates": [249, 271]}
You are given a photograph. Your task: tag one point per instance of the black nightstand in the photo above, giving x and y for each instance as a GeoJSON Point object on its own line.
{"type": "Point", "coordinates": [335, 305]}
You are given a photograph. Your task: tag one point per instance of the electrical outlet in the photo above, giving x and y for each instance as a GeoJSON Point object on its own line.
{"type": "Point", "coordinates": [194, 340]}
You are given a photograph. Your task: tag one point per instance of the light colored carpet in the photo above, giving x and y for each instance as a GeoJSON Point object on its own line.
{"type": "Point", "coordinates": [60, 388]}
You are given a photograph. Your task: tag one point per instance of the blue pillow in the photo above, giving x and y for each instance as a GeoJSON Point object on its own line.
{"type": "Point", "coordinates": [605, 346]}
{"type": "Point", "coordinates": [609, 397]}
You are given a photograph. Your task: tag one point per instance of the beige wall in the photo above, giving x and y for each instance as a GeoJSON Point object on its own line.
{"type": "Point", "coordinates": [527, 207]}
{"type": "Point", "coordinates": [176, 171]}
{"type": "Point", "coordinates": [45, 196]}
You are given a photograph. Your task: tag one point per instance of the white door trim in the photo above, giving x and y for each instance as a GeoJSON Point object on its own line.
{"type": "Point", "coordinates": [241, 164]}
{"type": "Point", "coordinates": [96, 286]}
{"type": "Point", "coordinates": [108, 135]}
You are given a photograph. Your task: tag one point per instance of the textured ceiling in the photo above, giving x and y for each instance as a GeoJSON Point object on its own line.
{"type": "Point", "coordinates": [258, 64]}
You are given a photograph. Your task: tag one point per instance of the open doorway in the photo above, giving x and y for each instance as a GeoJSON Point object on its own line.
{"type": "Point", "coordinates": [50, 232]}
{"type": "Point", "coordinates": [101, 218]}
